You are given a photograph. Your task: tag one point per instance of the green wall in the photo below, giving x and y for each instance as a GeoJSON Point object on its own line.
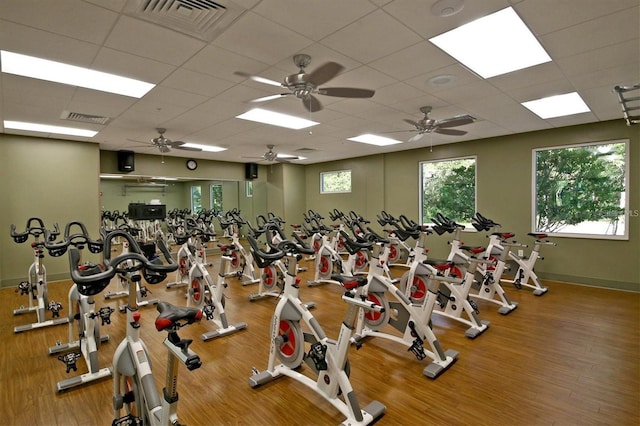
{"type": "Point", "coordinates": [54, 180]}
{"type": "Point", "coordinates": [504, 167]}
{"type": "Point", "coordinates": [59, 181]}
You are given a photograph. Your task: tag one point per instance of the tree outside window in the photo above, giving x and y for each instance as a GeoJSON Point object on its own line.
{"type": "Point", "coordinates": [581, 190]}
{"type": "Point", "coordinates": [196, 199]}
{"type": "Point", "coordinates": [335, 182]}
{"type": "Point", "coordinates": [216, 197]}
{"type": "Point", "coordinates": [448, 187]}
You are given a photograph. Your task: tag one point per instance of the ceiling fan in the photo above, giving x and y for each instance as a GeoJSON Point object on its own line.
{"type": "Point", "coordinates": [164, 144]}
{"type": "Point", "coordinates": [304, 85]}
{"type": "Point", "coordinates": [272, 156]}
{"type": "Point", "coordinates": [430, 125]}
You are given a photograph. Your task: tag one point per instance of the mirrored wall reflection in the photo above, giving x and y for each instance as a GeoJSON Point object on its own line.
{"type": "Point", "coordinates": [220, 195]}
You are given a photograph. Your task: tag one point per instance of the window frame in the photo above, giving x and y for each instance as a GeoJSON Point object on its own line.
{"type": "Point", "coordinates": [322, 189]}
{"type": "Point", "coordinates": [467, 221]}
{"type": "Point", "coordinates": [627, 212]}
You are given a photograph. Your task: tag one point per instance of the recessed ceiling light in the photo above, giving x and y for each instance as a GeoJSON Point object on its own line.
{"type": "Point", "coordinates": [493, 45]}
{"type": "Point", "coordinates": [276, 119]}
{"type": "Point", "coordinates": [374, 140]}
{"type": "Point", "coordinates": [43, 69]}
{"type": "Point", "coordinates": [557, 106]}
{"type": "Point", "coordinates": [45, 128]}
{"type": "Point", "coordinates": [207, 148]}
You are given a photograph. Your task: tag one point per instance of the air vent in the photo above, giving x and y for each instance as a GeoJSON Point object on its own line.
{"type": "Point", "coordinates": [203, 19]}
{"type": "Point", "coordinates": [306, 150]}
{"type": "Point", "coordinates": [84, 118]}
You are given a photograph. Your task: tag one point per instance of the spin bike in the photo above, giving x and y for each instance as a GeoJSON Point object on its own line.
{"type": "Point", "coordinates": [488, 284]}
{"type": "Point", "coordinates": [326, 358]}
{"type": "Point", "coordinates": [412, 320]}
{"type": "Point", "coordinates": [36, 288]}
{"type": "Point", "coordinates": [141, 291]}
{"type": "Point", "coordinates": [242, 264]}
{"type": "Point", "coordinates": [273, 271]}
{"type": "Point", "coordinates": [134, 388]}
{"type": "Point", "coordinates": [190, 248]}
{"type": "Point", "coordinates": [402, 228]}
{"type": "Point", "coordinates": [84, 329]}
{"type": "Point", "coordinates": [203, 293]}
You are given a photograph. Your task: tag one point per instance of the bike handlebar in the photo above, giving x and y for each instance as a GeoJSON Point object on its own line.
{"type": "Point", "coordinates": [35, 231]}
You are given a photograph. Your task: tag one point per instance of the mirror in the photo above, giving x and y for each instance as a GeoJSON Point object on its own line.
{"type": "Point", "coordinates": [221, 195]}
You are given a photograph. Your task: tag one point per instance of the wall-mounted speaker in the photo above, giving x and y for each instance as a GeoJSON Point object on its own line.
{"type": "Point", "coordinates": [251, 170]}
{"type": "Point", "coordinates": [126, 161]}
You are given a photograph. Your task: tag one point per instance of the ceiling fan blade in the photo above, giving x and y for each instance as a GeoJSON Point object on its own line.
{"type": "Point", "coordinates": [324, 73]}
{"type": "Point", "coordinates": [459, 120]}
{"type": "Point", "coordinates": [452, 132]}
{"type": "Point", "coordinates": [258, 78]}
{"type": "Point", "coordinates": [413, 123]}
{"type": "Point", "coordinates": [180, 145]}
{"type": "Point", "coordinates": [416, 137]}
{"type": "Point", "coordinates": [270, 97]}
{"type": "Point", "coordinates": [346, 92]}
{"type": "Point", "coordinates": [311, 103]}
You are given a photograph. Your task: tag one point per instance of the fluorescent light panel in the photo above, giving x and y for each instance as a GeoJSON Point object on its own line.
{"type": "Point", "coordinates": [43, 69]}
{"type": "Point", "coordinates": [557, 106]}
{"type": "Point", "coordinates": [493, 45]}
{"type": "Point", "coordinates": [374, 140]}
{"type": "Point", "coordinates": [207, 148]}
{"type": "Point", "coordinates": [276, 119]}
{"type": "Point", "coordinates": [45, 128]}
{"type": "Point", "coordinates": [107, 176]}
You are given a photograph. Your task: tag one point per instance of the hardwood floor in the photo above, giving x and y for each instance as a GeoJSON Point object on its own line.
{"type": "Point", "coordinates": [570, 357]}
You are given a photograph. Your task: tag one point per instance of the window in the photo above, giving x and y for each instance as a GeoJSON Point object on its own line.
{"type": "Point", "coordinates": [448, 187]}
{"type": "Point", "coordinates": [196, 199]}
{"type": "Point", "coordinates": [216, 197]}
{"type": "Point", "coordinates": [335, 182]}
{"type": "Point", "coordinates": [581, 190]}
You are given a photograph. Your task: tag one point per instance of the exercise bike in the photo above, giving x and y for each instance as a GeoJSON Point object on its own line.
{"type": "Point", "coordinates": [203, 293]}
{"type": "Point", "coordinates": [242, 264]}
{"type": "Point", "coordinates": [84, 328]}
{"type": "Point", "coordinates": [412, 320]}
{"type": "Point", "coordinates": [141, 291]}
{"type": "Point", "coordinates": [488, 286]}
{"type": "Point", "coordinates": [36, 288]}
{"type": "Point", "coordinates": [325, 357]}
{"type": "Point", "coordinates": [273, 271]}
{"type": "Point", "coordinates": [134, 388]}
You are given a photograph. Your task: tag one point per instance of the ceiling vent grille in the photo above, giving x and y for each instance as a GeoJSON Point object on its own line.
{"type": "Point", "coordinates": [203, 19]}
{"type": "Point", "coordinates": [84, 118]}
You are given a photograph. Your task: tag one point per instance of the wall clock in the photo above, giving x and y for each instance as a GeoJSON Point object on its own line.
{"type": "Point", "coordinates": [192, 164]}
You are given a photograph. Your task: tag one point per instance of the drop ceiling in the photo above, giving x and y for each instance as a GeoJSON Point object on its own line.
{"type": "Point", "coordinates": [192, 54]}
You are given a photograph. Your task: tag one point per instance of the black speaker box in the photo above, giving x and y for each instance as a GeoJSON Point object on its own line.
{"type": "Point", "coordinates": [141, 211]}
{"type": "Point", "coordinates": [251, 170]}
{"type": "Point", "coordinates": [126, 161]}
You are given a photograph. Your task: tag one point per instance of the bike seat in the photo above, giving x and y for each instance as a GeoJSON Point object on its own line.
{"type": "Point", "coordinates": [170, 315]}
{"type": "Point", "coordinates": [473, 249]}
{"type": "Point", "coordinates": [439, 264]}
{"type": "Point", "coordinates": [537, 235]}
{"type": "Point", "coordinates": [350, 282]}
{"type": "Point", "coordinates": [504, 235]}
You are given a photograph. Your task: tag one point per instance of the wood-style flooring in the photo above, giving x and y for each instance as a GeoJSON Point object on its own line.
{"type": "Point", "coordinates": [570, 357]}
